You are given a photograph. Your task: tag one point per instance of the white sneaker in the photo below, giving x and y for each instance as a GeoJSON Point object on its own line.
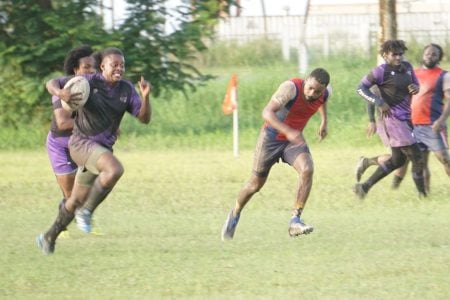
{"type": "Point", "coordinates": [83, 219]}
{"type": "Point", "coordinates": [297, 227]}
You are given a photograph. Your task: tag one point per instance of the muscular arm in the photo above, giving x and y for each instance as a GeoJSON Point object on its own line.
{"type": "Point", "coordinates": [441, 122]}
{"type": "Point", "coordinates": [285, 92]}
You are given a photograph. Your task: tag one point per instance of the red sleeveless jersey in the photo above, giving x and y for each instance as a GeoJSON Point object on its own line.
{"type": "Point", "coordinates": [426, 106]}
{"type": "Point", "coordinates": [297, 112]}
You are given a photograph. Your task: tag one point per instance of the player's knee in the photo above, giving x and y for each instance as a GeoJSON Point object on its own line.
{"type": "Point", "coordinates": [307, 172]}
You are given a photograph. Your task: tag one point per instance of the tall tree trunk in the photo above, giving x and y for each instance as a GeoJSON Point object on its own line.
{"type": "Point", "coordinates": [388, 23]}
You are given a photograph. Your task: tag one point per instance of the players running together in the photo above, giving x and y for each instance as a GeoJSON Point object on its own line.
{"type": "Point", "coordinates": [94, 134]}
{"type": "Point", "coordinates": [396, 81]}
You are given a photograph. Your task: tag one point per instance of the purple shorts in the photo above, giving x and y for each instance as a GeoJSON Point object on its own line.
{"type": "Point", "coordinates": [430, 140]}
{"type": "Point", "coordinates": [399, 133]}
{"type": "Point", "coordinates": [58, 153]}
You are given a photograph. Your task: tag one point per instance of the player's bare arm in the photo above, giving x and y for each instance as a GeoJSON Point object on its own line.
{"type": "Point", "coordinates": [285, 92]}
{"type": "Point", "coordinates": [145, 114]}
{"type": "Point", "coordinates": [323, 131]}
{"type": "Point", "coordinates": [63, 119]}
{"type": "Point", "coordinates": [441, 122]}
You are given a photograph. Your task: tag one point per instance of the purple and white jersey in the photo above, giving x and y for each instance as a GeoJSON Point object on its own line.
{"type": "Point", "coordinates": [393, 82]}
{"type": "Point", "coordinates": [99, 119]}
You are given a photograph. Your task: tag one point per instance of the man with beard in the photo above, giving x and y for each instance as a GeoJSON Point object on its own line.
{"type": "Point", "coordinates": [281, 137]}
{"type": "Point", "coordinates": [431, 108]}
{"type": "Point", "coordinates": [396, 82]}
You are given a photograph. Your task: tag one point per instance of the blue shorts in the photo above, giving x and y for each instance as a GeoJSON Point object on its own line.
{"type": "Point", "coordinates": [58, 153]}
{"type": "Point", "coordinates": [429, 140]}
{"type": "Point", "coordinates": [269, 151]}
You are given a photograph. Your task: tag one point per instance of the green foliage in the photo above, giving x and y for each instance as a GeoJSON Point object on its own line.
{"type": "Point", "coordinates": [34, 40]}
{"type": "Point", "coordinates": [36, 35]}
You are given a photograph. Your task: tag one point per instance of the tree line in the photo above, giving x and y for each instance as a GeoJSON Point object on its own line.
{"type": "Point", "coordinates": [35, 36]}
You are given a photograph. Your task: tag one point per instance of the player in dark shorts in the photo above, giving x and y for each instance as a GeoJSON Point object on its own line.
{"type": "Point", "coordinates": [431, 108]}
{"type": "Point", "coordinates": [396, 81]}
{"type": "Point", "coordinates": [94, 134]}
{"type": "Point", "coordinates": [78, 61]}
{"type": "Point", "coordinates": [281, 137]}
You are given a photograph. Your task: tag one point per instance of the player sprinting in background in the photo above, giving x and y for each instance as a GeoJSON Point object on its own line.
{"type": "Point", "coordinates": [78, 61]}
{"type": "Point", "coordinates": [376, 126]}
{"type": "Point", "coordinates": [94, 134]}
{"type": "Point", "coordinates": [431, 108]}
{"type": "Point", "coordinates": [396, 81]}
{"type": "Point", "coordinates": [281, 137]}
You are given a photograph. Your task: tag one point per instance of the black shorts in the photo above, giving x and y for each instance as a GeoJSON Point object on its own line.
{"type": "Point", "coordinates": [269, 151]}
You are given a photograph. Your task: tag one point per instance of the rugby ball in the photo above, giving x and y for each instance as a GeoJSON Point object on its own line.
{"type": "Point", "coordinates": [77, 84]}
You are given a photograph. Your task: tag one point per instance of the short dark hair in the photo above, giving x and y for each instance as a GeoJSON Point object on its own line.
{"type": "Point", "coordinates": [441, 51]}
{"type": "Point", "coordinates": [72, 59]}
{"type": "Point", "coordinates": [391, 46]}
{"type": "Point", "coordinates": [105, 52]}
{"type": "Point", "coordinates": [321, 75]}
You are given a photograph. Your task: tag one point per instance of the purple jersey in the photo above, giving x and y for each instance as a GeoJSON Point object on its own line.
{"type": "Point", "coordinates": [99, 119]}
{"type": "Point", "coordinates": [393, 82]}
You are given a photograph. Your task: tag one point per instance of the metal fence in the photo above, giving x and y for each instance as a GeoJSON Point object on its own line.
{"type": "Point", "coordinates": [329, 33]}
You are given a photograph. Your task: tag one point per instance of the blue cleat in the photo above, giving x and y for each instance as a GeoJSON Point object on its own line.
{"type": "Point", "coordinates": [297, 227]}
{"type": "Point", "coordinates": [83, 218]}
{"type": "Point", "coordinates": [47, 247]}
{"type": "Point", "coordinates": [230, 226]}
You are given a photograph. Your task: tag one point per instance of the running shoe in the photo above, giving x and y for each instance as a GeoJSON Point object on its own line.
{"type": "Point", "coordinates": [230, 226]}
{"type": "Point", "coordinates": [361, 167]}
{"type": "Point", "coordinates": [83, 218]}
{"type": "Point", "coordinates": [47, 247]}
{"type": "Point", "coordinates": [298, 227]}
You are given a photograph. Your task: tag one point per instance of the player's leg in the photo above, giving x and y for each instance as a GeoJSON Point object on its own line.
{"type": "Point", "coordinates": [399, 175]}
{"type": "Point", "coordinates": [304, 165]}
{"type": "Point", "coordinates": [366, 162]}
{"type": "Point", "coordinates": [444, 157]}
{"type": "Point", "coordinates": [62, 164]}
{"type": "Point", "coordinates": [267, 153]}
{"type": "Point", "coordinates": [300, 158]}
{"type": "Point", "coordinates": [397, 160]}
{"type": "Point", "coordinates": [109, 171]}
{"type": "Point", "coordinates": [46, 242]}
{"type": "Point", "coordinates": [417, 160]}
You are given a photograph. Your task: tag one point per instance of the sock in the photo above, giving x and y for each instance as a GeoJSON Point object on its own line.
{"type": "Point", "coordinates": [379, 174]}
{"type": "Point", "coordinates": [96, 196]}
{"type": "Point", "coordinates": [61, 204]}
{"type": "Point", "coordinates": [396, 181]}
{"type": "Point", "coordinates": [297, 212]}
{"type": "Point", "coordinates": [420, 183]}
{"type": "Point", "coordinates": [62, 220]}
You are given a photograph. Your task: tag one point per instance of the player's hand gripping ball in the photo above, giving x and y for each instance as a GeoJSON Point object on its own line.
{"type": "Point", "coordinates": [80, 86]}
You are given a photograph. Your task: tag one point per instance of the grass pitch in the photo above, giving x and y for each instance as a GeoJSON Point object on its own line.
{"type": "Point", "coordinates": [162, 228]}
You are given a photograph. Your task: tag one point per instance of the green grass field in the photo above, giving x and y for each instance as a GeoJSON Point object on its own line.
{"type": "Point", "coordinates": [162, 232]}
